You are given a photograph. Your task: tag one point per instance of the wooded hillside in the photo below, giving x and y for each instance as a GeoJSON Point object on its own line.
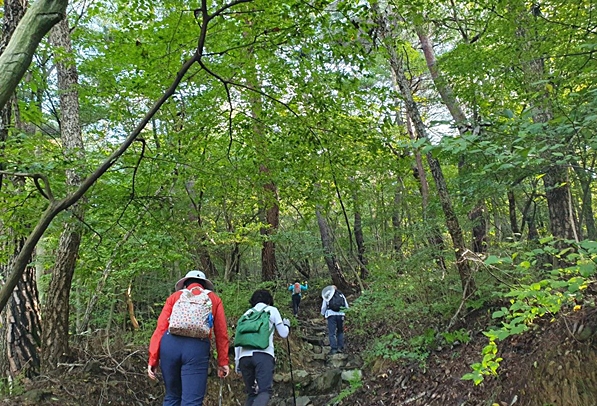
{"type": "Point", "coordinates": [433, 159]}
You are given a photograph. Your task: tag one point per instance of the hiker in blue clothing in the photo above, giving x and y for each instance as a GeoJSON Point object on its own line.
{"type": "Point", "coordinates": [332, 308]}
{"type": "Point", "coordinates": [296, 288]}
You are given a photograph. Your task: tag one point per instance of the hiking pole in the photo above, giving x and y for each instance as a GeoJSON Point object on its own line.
{"type": "Point", "coordinates": [220, 397]}
{"type": "Point", "coordinates": [291, 377]}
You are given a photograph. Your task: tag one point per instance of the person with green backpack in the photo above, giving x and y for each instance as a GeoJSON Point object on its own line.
{"type": "Point", "coordinates": [254, 346]}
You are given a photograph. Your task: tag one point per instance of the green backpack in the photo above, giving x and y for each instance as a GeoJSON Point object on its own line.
{"type": "Point", "coordinates": [253, 331]}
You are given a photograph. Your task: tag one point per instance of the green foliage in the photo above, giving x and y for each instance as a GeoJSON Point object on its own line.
{"type": "Point", "coordinates": [354, 384]}
{"type": "Point", "coordinates": [558, 289]}
{"type": "Point", "coordinates": [456, 337]}
{"type": "Point", "coordinates": [488, 366]}
{"type": "Point", "coordinates": [13, 386]}
{"type": "Point", "coordinates": [394, 347]}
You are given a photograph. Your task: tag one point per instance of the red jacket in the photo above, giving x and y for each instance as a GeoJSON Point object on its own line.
{"type": "Point", "coordinates": [220, 328]}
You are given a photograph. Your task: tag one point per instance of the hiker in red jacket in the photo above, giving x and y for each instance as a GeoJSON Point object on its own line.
{"type": "Point", "coordinates": [184, 360]}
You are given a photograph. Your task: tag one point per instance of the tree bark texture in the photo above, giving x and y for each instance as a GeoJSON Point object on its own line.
{"type": "Point", "coordinates": [21, 328]}
{"type": "Point", "coordinates": [557, 192]}
{"type": "Point", "coordinates": [396, 64]}
{"type": "Point", "coordinates": [334, 268]}
{"type": "Point", "coordinates": [57, 306]}
{"type": "Point", "coordinates": [269, 265]}
{"type": "Point", "coordinates": [20, 323]}
{"type": "Point", "coordinates": [17, 55]}
{"type": "Point", "coordinates": [477, 217]}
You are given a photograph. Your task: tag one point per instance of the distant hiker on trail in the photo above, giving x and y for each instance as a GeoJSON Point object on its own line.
{"type": "Point", "coordinates": [331, 308]}
{"type": "Point", "coordinates": [254, 346]}
{"type": "Point", "coordinates": [296, 288]}
{"type": "Point", "coordinates": [180, 343]}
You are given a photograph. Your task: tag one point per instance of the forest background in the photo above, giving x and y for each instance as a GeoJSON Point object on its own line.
{"type": "Point", "coordinates": [433, 159]}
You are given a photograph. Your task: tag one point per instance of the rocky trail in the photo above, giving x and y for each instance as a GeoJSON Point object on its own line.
{"type": "Point", "coordinates": [552, 364]}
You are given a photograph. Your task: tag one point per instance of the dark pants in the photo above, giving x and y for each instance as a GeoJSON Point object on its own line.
{"type": "Point", "coordinates": [184, 362]}
{"type": "Point", "coordinates": [258, 376]}
{"type": "Point", "coordinates": [296, 301]}
{"type": "Point", "coordinates": [336, 332]}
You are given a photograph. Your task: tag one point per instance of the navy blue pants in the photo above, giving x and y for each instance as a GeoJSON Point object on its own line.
{"type": "Point", "coordinates": [336, 332]}
{"type": "Point", "coordinates": [258, 376]}
{"type": "Point", "coordinates": [296, 301]}
{"type": "Point", "coordinates": [184, 362]}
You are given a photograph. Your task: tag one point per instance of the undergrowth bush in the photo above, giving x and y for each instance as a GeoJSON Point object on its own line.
{"type": "Point", "coordinates": [402, 300]}
{"type": "Point", "coordinates": [545, 291]}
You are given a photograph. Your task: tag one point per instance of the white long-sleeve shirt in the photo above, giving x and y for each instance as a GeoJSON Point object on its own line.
{"type": "Point", "coordinates": [275, 319]}
{"type": "Point", "coordinates": [329, 312]}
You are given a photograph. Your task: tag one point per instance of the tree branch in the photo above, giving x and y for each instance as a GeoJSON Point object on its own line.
{"type": "Point", "coordinates": [57, 206]}
{"type": "Point", "coordinates": [44, 189]}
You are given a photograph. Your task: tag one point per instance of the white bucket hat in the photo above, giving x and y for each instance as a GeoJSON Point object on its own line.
{"type": "Point", "coordinates": [328, 292]}
{"type": "Point", "coordinates": [195, 275]}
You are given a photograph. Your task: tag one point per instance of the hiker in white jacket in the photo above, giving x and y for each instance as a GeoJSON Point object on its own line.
{"type": "Point", "coordinates": [257, 365]}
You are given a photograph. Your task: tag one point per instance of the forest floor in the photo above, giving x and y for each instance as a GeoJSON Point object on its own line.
{"type": "Point", "coordinates": [553, 364]}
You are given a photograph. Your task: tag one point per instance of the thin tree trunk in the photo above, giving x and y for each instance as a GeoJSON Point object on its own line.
{"type": "Point", "coordinates": [359, 238]}
{"type": "Point", "coordinates": [512, 213]}
{"type": "Point", "coordinates": [434, 236]}
{"type": "Point", "coordinates": [477, 213]}
{"type": "Point", "coordinates": [57, 306]}
{"type": "Point", "coordinates": [477, 217]}
{"type": "Point", "coordinates": [587, 213]}
{"type": "Point", "coordinates": [328, 252]}
{"type": "Point", "coordinates": [396, 64]}
{"type": "Point", "coordinates": [207, 264]}
{"type": "Point", "coordinates": [130, 306]}
{"type": "Point", "coordinates": [397, 219]}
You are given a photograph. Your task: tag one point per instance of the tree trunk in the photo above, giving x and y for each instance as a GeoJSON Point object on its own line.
{"type": "Point", "coordinates": [512, 213]}
{"type": "Point", "coordinates": [562, 223]}
{"type": "Point", "coordinates": [477, 217]}
{"type": "Point", "coordinates": [477, 213]}
{"type": "Point", "coordinates": [587, 213]}
{"type": "Point", "coordinates": [359, 238]}
{"type": "Point", "coordinates": [20, 323]}
{"type": "Point", "coordinates": [20, 329]}
{"type": "Point", "coordinates": [435, 239]}
{"type": "Point", "coordinates": [57, 306]}
{"type": "Point", "coordinates": [17, 56]}
{"type": "Point", "coordinates": [334, 268]}
{"type": "Point", "coordinates": [271, 210]}
{"type": "Point", "coordinates": [397, 220]}
{"type": "Point", "coordinates": [396, 64]}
